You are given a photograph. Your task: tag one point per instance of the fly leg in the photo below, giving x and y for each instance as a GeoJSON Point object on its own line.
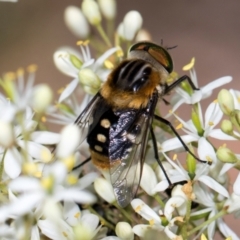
{"type": "Point", "coordinates": [157, 156]}
{"type": "Point", "coordinates": [178, 136]}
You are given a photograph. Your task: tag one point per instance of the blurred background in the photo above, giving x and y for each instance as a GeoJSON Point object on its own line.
{"type": "Point", "coordinates": [30, 32]}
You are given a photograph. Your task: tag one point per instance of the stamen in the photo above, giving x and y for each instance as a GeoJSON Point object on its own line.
{"type": "Point", "coordinates": [108, 64]}
{"type": "Point", "coordinates": [20, 72]}
{"type": "Point", "coordinates": [180, 126]}
{"type": "Point", "coordinates": [190, 65]}
{"type": "Point", "coordinates": [32, 68]}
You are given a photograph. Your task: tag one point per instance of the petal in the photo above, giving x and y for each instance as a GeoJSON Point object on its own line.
{"type": "Point", "coordinates": [24, 183]}
{"type": "Point", "coordinates": [171, 204]}
{"type": "Point", "coordinates": [219, 134]}
{"type": "Point", "coordinates": [148, 180]}
{"type": "Point", "coordinates": [99, 62]}
{"type": "Point", "coordinates": [216, 83]}
{"type": "Point", "coordinates": [214, 185]}
{"type": "Point", "coordinates": [12, 163]}
{"type": "Point", "coordinates": [161, 186]}
{"type": "Point", "coordinates": [206, 150]}
{"type": "Point", "coordinates": [45, 137]}
{"type": "Point", "coordinates": [226, 167]}
{"type": "Point", "coordinates": [90, 221]}
{"type": "Point", "coordinates": [75, 195]}
{"type": "Point", "coordinates": [236, 185]}
{"type": "Point", "coordinates": [145, 211]}
{"type": "Point", "coordinates": [212, 226]}
{"type": "Point", "coordinates": [25, 203]}
{"type": "Point", "coordinates": [87, 180]}
{"type": "Point", "coordinates": [68, 90]}
{"type": "Point", "coordinates": [61, 60]}
{"type": "Point", "coordinates": [51, 229]}
{"type": "Point", "coordinates": [225, 230]}
{"type": "Point", "coordinates": [72, 213]}
{"type": "Point", "coordinates": [213, 115]}
{"type": "Point", "coordinates": [174, 143]}
{"type": "Point", "coordinates": [35, 235]}
{"type": "Point", "coordinates": [36, 150]}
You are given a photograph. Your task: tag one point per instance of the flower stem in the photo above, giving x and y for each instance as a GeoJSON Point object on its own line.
{"type": "Point", "coordinates": [159, 200]}
{"type": "Point", "coordinates": [103, 221]}
{"type": "Point", "coordinates": [205, 223]}
{"type": "Point", "coordinates": [103, 35]}
{"type": "Point", "coordinates": [184, 229]}
{"type": "Point", "coordinates": [2, 166]}
{"type": "Point", "coordinates": [124, 213]}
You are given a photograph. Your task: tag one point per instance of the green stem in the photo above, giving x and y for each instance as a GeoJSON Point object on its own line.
{"type": "Point", "coordinates": [2, 165]}
{"type": "Point", "coordinates": [104, 222]}
{"type": "Point", "coordinates": [103, 35]}
{"type": "Point", "coordinates": [205, 223]}
{"type": "Point", "coordinates": [124, 213]}
{"type": "Point", "coordinates": [159, 200]}
{"type": "Point", "coordinates": [186, 222]}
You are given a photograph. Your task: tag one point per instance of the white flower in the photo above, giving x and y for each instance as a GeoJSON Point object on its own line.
{"type": "Point", "coordinates": [132, 22]}
{"type": "Point", "coordinates": [108, 8]}
{"type": "Point", "coordinates": [212, 117]}
{"type": "Point", "coordinates": [179, 174]}
{"type": "Point", "coordinates": [183, 97]}
{"type": "Point", "coordinates": [46, 193]}
{"type": "Point", "coordinates": [41, 97]}
{"type": "Point", "coordinates": [148, 180]}
{"type": "Point", "coordinates": [124, 231]}
{"type": "Point", "coordinates": [104, 189]}
{"type": "Point", "coordinates": [76, 22]}
{"type": "Point", "coordinates": [76, 224]}
{"type": "Point", "coordinates": [7, 135]}
{"type": "Point", "coordinates": [154, 219]}
{"type": "Point", "coordinates": [34, 149]}
{"type": "Point", "coordinates": [62, 60]}
{"type": "Point", "coordinates": [206, 198]}
{"type": "Point", "coordinates": [91, 11]}
{"type": "Point", "coordinates": [70, 140]}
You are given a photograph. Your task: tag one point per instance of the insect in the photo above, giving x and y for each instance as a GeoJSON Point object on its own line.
{"type": "Point", "coordinates": [118, 120]}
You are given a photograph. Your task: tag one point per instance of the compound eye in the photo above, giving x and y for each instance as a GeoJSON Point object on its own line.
{"type": "Point", "coordinates": [159, 53]}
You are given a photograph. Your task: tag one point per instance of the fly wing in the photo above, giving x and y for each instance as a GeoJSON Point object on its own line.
{"type": "Point", "coordinates": [85, 119]}
{"type": "Point", "coordinates": [128, 140]}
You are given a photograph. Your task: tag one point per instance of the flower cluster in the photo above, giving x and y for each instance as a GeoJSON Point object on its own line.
{"type": "Point", "coordinates": [44, 192]}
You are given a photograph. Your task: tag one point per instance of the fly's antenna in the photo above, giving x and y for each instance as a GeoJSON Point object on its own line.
{"type": "Point", "coordinates": [170, 48]}
{"type": "Point", "coordinates": [161, 43]}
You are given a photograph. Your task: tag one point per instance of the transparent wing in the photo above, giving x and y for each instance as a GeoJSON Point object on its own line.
{"type": "Point", "coordinates": [126, 171]}
{"type": "Point", "coordinates": [85, 119]}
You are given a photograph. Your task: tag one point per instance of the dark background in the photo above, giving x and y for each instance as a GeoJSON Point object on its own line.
{"type": "Point", "coordinates": [30, 32]}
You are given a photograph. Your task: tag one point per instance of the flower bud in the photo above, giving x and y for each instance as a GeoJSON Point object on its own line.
{"type": "Point", "coordinates": [197, 123]}
{"type": "Point", "coordinates": [70, 140]}
{"type": "Point", "coordinates": [108, 8]}
{"type": "Point", "coordinates": [149, 179]}
{"type": "Point", "coordinates": [7, 135]}
{"type": "Point", "coordinates": [227, 127]}
{"type": "Point", "coordinates": [225, 101]}
{"type": "Point", "coordinates": [89, 80]}
{"type": "Point", "coordinates": [64, 62]}
{"type": "Point", "coordinates": [104, 190]}
{"type": "Point", "coordinates": [76, 22]}
{"type": "Point", "coordinates": [132, 22]}
{"type": "Point", "coordinates": [124, 231]}
{"type": "Point", "coordinates": [76, 62]}
{"type": "Point", "coordinates": [91, 11]}
{"type": "Point", "coordinates": [42, 97]}
{"type": "Point", "coordinates": [191, 164]}
{"type": "Point", "coordinates": [235, 118]}
{"type": "Point", "coordinates": [225, 155]}
{"type": "Point", "coordinates": [143, 35]}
